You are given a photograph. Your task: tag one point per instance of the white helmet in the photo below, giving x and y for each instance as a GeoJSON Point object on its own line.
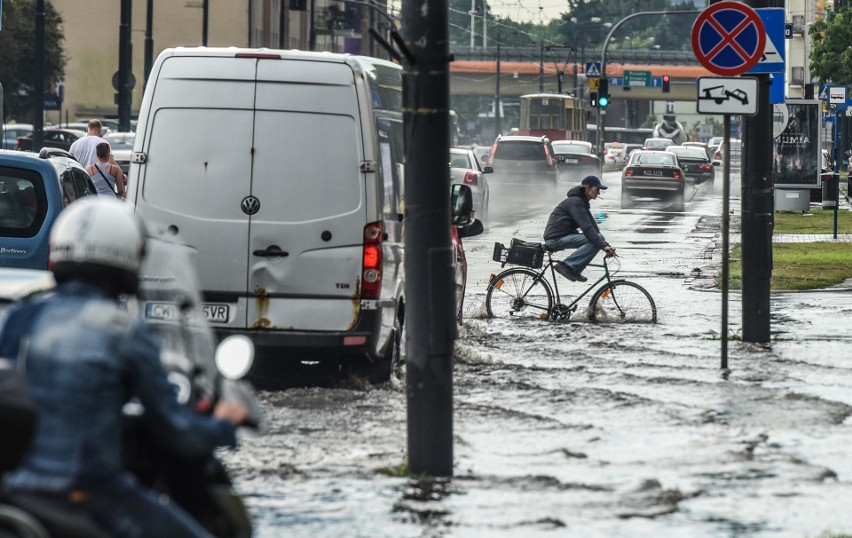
{"type": "Point", "coordinates": [98, 239]}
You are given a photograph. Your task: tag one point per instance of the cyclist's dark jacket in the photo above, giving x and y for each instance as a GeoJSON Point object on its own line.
{"type": "Point", "coordinates": [572, 216]}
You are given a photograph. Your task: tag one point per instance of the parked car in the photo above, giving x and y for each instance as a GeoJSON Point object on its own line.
{"type": "Point", "coordinates": [464, 225]}
{"type": "Point", "coordinates": [13, 131]}
{"type": "Point", "coordinates": [84, 126]}
{"type": "Point", "coordinates": [466, 170]}
{"type": "Point", "coordinates": [653, 174]}
{"type": "Point", "coordinates": [53, 138]}
{"type": "Point", "coordinates": [121, 145]}
{"type": "Point", "coordinates": [15, 284]}
{"type": "Point", "coordinates": [576, 159]}
{"type": "Point", "coordinates": [32, 193]}
{"type": "Point", "coordinates": [523, 160]}
{"type": "Point", "coordinates": [658, 144]}
{"type": "Point", "coordinates": [694, 163]}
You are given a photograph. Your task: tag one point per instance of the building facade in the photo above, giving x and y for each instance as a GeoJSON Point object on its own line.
{"type": "Point", "coordinates": [92, 38]}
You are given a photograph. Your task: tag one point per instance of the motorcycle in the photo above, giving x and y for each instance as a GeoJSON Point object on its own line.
{"type": "Point", "coordinates": [201, 373]}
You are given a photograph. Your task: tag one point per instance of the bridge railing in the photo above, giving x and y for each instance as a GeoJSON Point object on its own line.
{"type": "Point", "coordinates": [533, 54]}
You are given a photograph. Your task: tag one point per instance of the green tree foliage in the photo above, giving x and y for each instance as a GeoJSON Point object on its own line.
{"type": "Point", "coordinates": [666, 32]}
{"type": "Point", "coordinates": [831, 55]}
{"type": "Point", "coordinates": [17, 68]}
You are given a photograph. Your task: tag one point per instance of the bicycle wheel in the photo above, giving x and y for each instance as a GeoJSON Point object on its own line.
{"type": "Point", "coordinates": [621, 301]}
{"type": "Point", "coordinates": [519, 293]}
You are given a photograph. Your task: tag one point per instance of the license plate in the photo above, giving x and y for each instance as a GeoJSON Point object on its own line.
{"type": "Point", "coordinates": [652, 172]}
{"type": "Point", "coordinates": [216, 313]}
{"type": "Point", "coordinates": [572, 161]}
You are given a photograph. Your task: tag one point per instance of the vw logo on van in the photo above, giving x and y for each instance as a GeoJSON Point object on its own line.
{"type": "Point", "coordinates": [250, 205]}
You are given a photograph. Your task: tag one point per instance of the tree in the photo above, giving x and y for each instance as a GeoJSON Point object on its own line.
{"type": "Point", "coordinates": [831, 57]}
{"type": "Point", "coordinates": [17, 70]}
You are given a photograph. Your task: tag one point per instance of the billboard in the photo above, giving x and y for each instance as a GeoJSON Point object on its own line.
{"type": "Point", "coordinates": [796, 162]}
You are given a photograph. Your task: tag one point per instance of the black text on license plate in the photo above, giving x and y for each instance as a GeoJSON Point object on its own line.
{"type": "Point", "coordinates": [652, 172]}
{"type": "Point", "coordinates": [216, 313]}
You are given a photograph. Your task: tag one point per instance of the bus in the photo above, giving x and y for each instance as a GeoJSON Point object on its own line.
{"type": "Point", "coordinates": [554, 115]}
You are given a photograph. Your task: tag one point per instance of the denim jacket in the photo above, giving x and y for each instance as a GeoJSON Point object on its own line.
{"type": "Point", "coordinates": [84, 357]}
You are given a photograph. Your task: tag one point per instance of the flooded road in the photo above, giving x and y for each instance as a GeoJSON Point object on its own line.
{"type": "Point", "coordinates": [579, 429]}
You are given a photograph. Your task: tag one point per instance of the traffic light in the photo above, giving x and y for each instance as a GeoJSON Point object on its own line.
{"type": "Point", "coordinates": [667, 83]}
{"type": "Point", "coordinates": [603, 93]}
{"type": "Point", "coordinates": [593, 99]}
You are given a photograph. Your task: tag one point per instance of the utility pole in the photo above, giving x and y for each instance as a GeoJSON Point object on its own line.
{"type": "Point", "coordinates": [430, 310]}
{"type": "Point", "coordinates": [38, 83]}
{"type": "Point", "coordinates": [205, 12]}
{"type": "Point", "coordinates": [125, 66]}
{"type": "Point", "coordinates": [757, 211]}
{"type": "Point", "coordinates": [149, 40]}
{"type": "Point", "coordinates": [541, 69]}
{"type": "Point", "coordinates": [497, 92]}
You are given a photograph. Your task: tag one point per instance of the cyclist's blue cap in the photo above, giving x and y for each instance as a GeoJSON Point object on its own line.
{"type": "Point", "coordinates": [593, 181]}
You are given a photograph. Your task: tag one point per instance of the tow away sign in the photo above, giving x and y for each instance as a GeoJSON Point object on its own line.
{"type": "Point", "coordinates": [727, 95]}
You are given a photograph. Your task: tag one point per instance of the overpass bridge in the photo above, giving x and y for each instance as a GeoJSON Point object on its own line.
{"type": "Point", "coordinates": [524, 71]}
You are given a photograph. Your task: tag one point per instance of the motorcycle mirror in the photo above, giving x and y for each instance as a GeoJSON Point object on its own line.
{"type": "Point", "coordinates": [234, 356]}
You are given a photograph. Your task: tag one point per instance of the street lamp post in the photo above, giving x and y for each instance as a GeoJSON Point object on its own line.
{"type": "Point", "coordinates": [600, 126]}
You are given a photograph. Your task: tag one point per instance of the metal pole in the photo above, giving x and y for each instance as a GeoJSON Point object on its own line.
{"type": "Point", "coordinates": [497, 92]}
{"type": "Point", "coordinates": [758, 208]}
{"type": "Point", "coordinates": [472, 22]}
{"type": "Point", "coordinates": [836, 175]}
{"type": "Point", "coordinates": [205, 8]}
{"type": "Point", "coordinates": [38, 83]}
{"type": "Point", "coordinates": [125, 88]}
{"type": "Point", "coordinates": [430, 319]}
{"type": "Point", "coordinates": [726, 219]}
{"type": "Point", "coordinates": [312, 36]}
{"type": "Point", "coordinates": [149, 40]}
{"type": "Point", "coordinates": [282, 24]}
{"type": "Point", "coordinates": [541, 69]}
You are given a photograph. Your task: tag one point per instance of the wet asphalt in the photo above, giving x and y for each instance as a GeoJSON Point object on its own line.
{"type": "Point", "coordinates": [581, 429]}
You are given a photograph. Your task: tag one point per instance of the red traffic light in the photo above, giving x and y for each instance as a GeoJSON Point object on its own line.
{"type": "Point", "coordinates": [667, 80]}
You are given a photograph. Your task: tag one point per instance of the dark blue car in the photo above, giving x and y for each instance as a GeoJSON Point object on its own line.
{"type": "Point", "coordinates": [33, 191]}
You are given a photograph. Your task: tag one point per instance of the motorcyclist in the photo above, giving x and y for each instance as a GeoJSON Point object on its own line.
{"type": "Point", "coordinates": [84, 357]}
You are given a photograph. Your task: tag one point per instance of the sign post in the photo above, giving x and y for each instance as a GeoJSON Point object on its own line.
{"type": "Point", "coordinates": [728, 39]}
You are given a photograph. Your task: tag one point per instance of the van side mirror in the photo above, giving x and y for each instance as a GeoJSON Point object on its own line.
{"type": "Point", "coordinates": [462, 204]}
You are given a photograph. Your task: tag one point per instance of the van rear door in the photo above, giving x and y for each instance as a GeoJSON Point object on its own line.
{"type": "Point", "coordinates": [198, 139]}
{"type": "Point", "coordinates": [306, 239]}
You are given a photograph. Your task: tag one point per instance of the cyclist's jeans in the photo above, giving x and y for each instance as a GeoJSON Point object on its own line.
{"type": "Point", "coordinates": [585, 251]}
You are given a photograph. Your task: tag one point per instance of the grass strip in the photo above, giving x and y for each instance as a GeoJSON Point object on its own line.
{"type": "Point", "coordinates": [800, 266]}
{"type": "Point", "coordinates": [814, 221]}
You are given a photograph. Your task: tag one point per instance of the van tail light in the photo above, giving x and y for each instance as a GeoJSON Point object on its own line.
{"type": "Point", "coordinates": [371, 268]}
{"type": "Point", "coordinates": [258, 55]}
{"type": "Point", "coordinates": [628, 172]}
{"type": "Point", "coordinates": [470, 178]}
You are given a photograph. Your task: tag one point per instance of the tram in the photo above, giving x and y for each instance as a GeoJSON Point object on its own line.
{"type": "Point", "coordinates": [554, 115]}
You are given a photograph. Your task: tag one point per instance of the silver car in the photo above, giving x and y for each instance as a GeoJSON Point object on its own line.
{"type": "Point", "coordinates": [465, 169]}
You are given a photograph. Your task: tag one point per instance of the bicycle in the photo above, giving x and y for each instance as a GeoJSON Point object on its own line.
{"type": "Point", "coordinates": [524, 292]}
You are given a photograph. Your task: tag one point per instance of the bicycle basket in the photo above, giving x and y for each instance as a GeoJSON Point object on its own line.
{"type": "Point", "coordinates": [526, 254]}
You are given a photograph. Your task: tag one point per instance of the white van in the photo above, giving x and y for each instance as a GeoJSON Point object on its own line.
{"type": "Point", "coordinates": [284, 170]}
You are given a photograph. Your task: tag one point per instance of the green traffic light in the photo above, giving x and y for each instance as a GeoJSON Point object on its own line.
{"type": "Point", "coordinates": [603, 101]}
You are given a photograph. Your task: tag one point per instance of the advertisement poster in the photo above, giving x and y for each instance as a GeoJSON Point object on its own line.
{"type": "Point", "coordinates": [797, 147]}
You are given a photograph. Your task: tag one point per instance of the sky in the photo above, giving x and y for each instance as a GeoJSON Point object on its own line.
{"type": "Point", "coordinates": [538, 11]}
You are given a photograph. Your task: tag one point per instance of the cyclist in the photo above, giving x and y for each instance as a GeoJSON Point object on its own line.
{"type": "Point", "coordinates": [571, 225]}
{"type": "Point", "coordinates": [84, 357]}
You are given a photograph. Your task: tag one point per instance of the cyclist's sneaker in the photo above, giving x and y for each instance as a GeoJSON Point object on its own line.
{"type": "Point", "coordinates": [569, 272]}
